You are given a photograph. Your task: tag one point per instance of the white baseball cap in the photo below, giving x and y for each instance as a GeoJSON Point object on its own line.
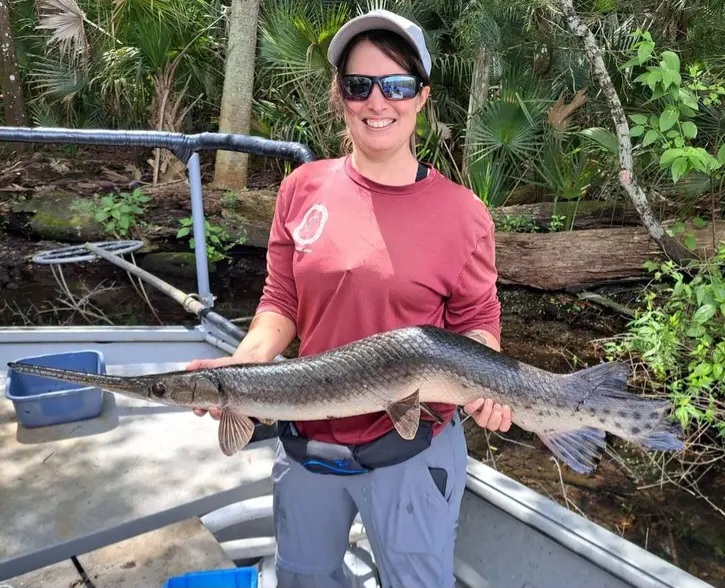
{"type": "Point", "coordinates": [379, 19]}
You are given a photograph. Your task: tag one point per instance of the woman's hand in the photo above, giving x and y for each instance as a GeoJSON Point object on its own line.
{"type": "Point", "coordinates": [490, 415]}
{"type": "Point", "coordinates": [269, 335]}
{"type": "Point", "coordinates": [487, 413]}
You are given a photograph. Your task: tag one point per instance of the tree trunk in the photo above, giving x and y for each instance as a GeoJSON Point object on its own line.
{"type": "Point", "coordinates": [477, 98]}
{"type": "Point", "coordinates": [11, 85]}
{"type": "Point", "coordinates": [672, 248]}
{"type": "Point", "coordinates": [231, 167]}
{"type": "Point", "coordinates": [580, 259]}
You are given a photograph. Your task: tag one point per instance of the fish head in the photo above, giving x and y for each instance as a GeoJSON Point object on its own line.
{"type": "Point", "coordinates": [189, 389]}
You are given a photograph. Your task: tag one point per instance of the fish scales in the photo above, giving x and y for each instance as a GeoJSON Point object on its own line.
{"type": "Point", "coordinates": [402, 372]}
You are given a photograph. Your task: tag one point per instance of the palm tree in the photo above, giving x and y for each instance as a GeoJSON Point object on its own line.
{"type": "Point", "coordinates": [293, 74]}
{"type": "Point", "coordinates": [111, 61]}
{"type": "Point", "coordinates": [11, 86]}
{"type": "Point", "coordinates": [230, 171]}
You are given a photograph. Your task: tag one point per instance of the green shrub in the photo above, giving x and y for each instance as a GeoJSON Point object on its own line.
{"type": "Point", "coordinates": [679, 338]}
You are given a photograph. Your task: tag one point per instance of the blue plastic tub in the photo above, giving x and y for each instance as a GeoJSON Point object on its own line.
{"type": "Point", "coordinates": [40, 402]}
{"type": "Point", "coordinates": [226, 578]}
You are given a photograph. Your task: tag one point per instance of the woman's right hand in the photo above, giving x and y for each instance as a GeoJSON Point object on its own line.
{"type": "Point", "coordinates": [269, 334]}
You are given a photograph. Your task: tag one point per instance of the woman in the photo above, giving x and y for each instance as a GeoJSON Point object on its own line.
{"type": "Point", "coordinates": [361, 244]}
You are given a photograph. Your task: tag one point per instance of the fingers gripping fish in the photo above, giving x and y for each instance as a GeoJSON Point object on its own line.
{"type": "Point", "coordinates": [401, 371]}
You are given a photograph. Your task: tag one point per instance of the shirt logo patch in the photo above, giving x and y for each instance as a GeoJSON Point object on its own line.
{"type": "Point", "coordinates": [310, 228]}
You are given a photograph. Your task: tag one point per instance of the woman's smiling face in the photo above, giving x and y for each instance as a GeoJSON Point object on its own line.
{"type": "Point", "coordinates": [379, 127]}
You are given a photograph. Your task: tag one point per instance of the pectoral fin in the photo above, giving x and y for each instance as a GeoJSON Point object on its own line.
{"type": "Point", "coordinates": [235, 431]}
{"type": "Point", "coordinates": [405, 415]}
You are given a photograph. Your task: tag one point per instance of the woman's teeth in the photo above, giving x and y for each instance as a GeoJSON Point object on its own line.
{"type": "Point", "coordinates": [379, 124]}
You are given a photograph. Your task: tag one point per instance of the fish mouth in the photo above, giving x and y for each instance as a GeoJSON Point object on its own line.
{"type": "Point", "coordinates": [129, 386]}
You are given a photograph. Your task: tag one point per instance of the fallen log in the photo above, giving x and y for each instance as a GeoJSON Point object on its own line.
{"type": "Point", "coordinates": [589, 214]}
{"type": "Point", "coordinates": [579, 259]}
{"type": "Point", "coordinates": [57, 216]}
{"type": "Point", "coordinates": [572, 260]}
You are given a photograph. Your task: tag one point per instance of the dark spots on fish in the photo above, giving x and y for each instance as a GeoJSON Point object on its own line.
{"type": "Point", "coordinates": [622, 413]}
{"type": "Point", "coordinates": [158, 389]}
{"type": "Point", "coordinates": [539, 413]}
{"type": "Point", "coordinates": [635, 430]}
{"type": "Point", "coordinates": [410, 508]}
{"type": "Point", "coordinates": [606, 411]}
{"type": "Point", "coordinates": [654, 415]}
{"type": "Point", "coordinates": [602, 420]}
{"type": "Point", "coordinates": [636, 415]}
{"type": "Point", "coordinates": [592, 412]}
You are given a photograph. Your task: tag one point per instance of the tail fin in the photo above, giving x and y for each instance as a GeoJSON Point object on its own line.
{"type": "Point", "coordinates": [646, 422]}
{"type": "Point", "coordinates": [664, 437]}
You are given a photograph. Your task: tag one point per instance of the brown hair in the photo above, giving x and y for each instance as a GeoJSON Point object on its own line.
{"type": "Point", "coordinates": [395, 47]}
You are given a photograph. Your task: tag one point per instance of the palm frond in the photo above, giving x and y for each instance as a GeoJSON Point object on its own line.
{"type": "Point", "coordinates": [491, 179]}
{"type": "Point", "coordinates": [601, 138]}
{"type": "Point", "coordinates": [294, 38]}
{"type": "Point", "coordinates": [57, 81]}
{"type": "Point", "coordinates": [65, 20]}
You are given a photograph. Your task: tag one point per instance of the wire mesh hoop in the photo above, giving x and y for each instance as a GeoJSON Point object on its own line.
{"type": "Point", "coordinates": [78, 253]}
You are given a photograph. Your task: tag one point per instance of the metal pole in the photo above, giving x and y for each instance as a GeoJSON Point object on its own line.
{"type": "Point", "coordinates": [197, 214]}
{"type": "Point", "coordinates": [189, 303]}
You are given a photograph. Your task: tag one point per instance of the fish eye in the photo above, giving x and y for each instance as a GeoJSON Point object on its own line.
{"type": "Point", "coordinates": [158, 389]}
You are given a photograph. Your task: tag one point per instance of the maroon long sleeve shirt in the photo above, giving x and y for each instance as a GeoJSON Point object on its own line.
{"type": "Point", "coordinates": [348, 258]}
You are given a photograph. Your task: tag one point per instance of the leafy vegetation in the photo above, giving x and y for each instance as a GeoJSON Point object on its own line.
{"type": "Point", "coordinates": [673, 129]}
{"type": "Point", "coordinates": [513, 106]}
{"type": "Point", "coordinates": [218, 241]}
{"type": "Point", "coordinates": [119, 213]}
{"type": "Point", "coordinates": [679, 339]}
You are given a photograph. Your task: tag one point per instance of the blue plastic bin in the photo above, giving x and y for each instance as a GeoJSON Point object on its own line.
{"type": "Point", "coordinates": [40, 402]}
{"type": "Point", "coordinates": [226, 578]}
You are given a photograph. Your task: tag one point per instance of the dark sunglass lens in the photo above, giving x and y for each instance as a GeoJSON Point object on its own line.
{"type": "Point", "coordinates": [400, 87]}
{"type": "Point", "coordinates": [356, 87]}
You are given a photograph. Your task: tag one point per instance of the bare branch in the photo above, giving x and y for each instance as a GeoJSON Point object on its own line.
{"type": "Point", "coordinates": [671, 247]}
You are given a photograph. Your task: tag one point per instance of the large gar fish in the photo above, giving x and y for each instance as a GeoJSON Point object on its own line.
{"type": "Point", "coordinates": [402, 371]}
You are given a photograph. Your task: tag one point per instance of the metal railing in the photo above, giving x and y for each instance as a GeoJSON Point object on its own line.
{"type": "Point", "coordinates": [185, 148]}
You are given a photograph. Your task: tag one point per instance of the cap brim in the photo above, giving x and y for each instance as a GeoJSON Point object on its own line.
{"type": "Point", "coordinates": [359, 25]}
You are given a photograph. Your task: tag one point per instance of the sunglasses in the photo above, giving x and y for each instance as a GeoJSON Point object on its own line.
{"type": "Point", "coordinates": [393, 87]}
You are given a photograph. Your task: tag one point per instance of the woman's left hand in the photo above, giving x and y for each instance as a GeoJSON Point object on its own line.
{"type": "Point", "coordinates": [489, 414]}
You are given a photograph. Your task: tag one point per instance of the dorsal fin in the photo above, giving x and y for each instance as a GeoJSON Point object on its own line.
{"type": "Point", "coordinates": [614, 374]}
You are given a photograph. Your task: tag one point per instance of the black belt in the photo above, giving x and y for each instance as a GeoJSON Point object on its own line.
{"type": "Point", "coordinates": [341, 460]}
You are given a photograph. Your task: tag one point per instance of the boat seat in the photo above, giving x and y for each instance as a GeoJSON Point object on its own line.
{"type": "Point", "coordinates": [259, 549]}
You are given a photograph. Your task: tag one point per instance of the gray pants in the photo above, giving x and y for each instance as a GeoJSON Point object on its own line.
{"type": "Point", "coordinates": [411, 525]}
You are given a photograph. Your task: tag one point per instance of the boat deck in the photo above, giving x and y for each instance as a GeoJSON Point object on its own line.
{"type": "Point", "coordinates": [146, 560]}
{"type": "Point", "coordinates": [72, 488]}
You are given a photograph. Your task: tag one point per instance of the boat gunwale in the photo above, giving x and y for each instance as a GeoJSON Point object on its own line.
{"type": "Point", "coordinates": [613, 554]}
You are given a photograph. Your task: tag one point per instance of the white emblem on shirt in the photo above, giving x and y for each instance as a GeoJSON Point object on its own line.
{"type": "Point", "coordinates": [310, 227]}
